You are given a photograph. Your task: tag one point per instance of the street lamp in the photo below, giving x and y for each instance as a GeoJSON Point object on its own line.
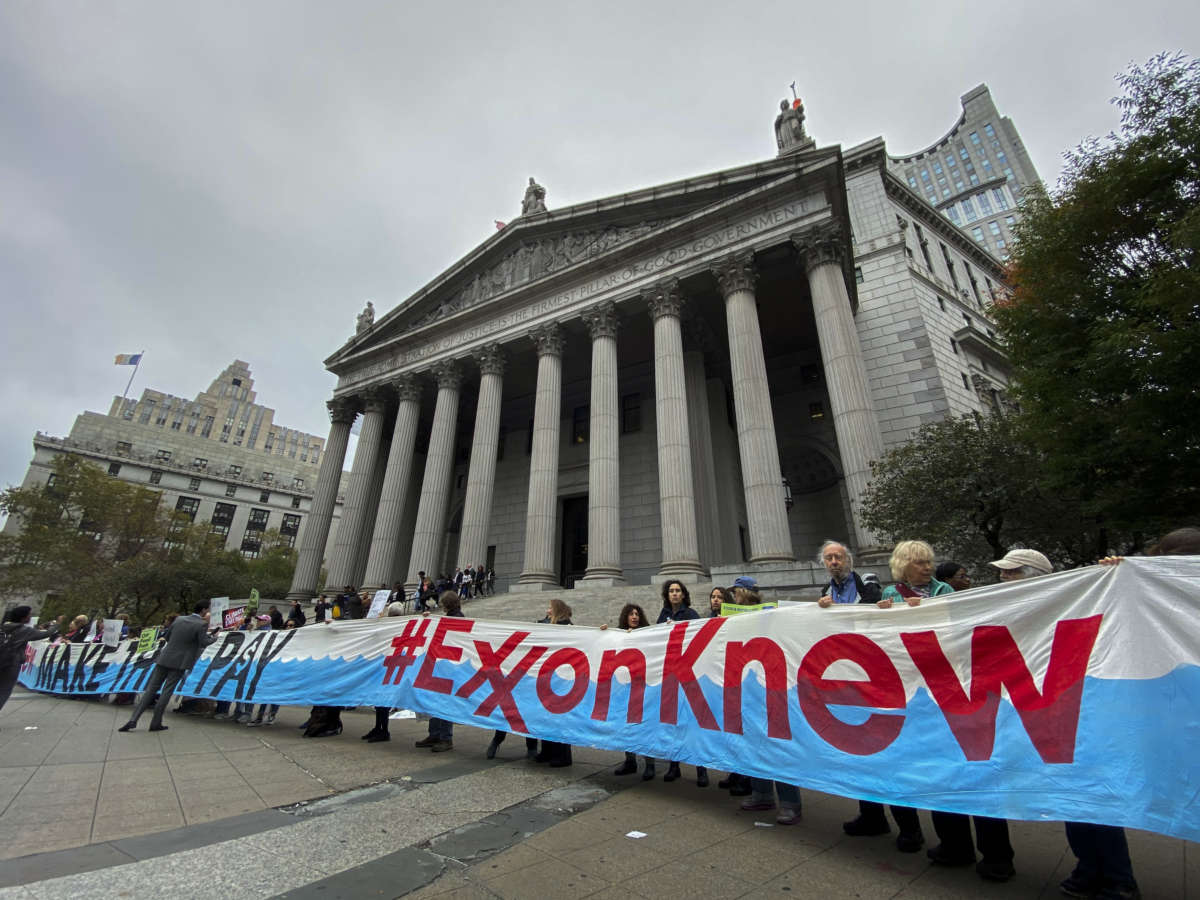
{"type": "Point", "coordinates": [787, 494]}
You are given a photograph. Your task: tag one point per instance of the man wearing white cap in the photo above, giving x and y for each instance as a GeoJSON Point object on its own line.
{"type": "Point", "coordinates": [991, 835]}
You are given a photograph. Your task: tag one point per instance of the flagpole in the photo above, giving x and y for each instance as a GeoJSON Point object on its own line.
{"type": "Point", "coordinates": [131, 375]}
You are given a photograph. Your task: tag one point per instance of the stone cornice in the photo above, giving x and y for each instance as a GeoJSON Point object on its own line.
{"type": "Point", "coordinates": [943, 227]}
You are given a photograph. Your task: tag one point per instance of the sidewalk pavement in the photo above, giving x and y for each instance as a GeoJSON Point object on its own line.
{"type": "Point", "coordinates": [210, 808]}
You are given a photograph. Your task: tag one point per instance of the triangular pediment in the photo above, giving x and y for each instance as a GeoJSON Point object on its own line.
{"type": "Point", "coordinates": [541, 247]}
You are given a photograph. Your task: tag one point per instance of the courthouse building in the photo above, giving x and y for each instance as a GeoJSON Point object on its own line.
{"type": "Point", "coordinates": [686, 380]}
{"type": "Point", "coordinates": [218, 458]}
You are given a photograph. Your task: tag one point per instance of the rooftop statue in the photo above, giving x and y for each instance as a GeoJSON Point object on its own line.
{"type": "Point", "coordinates": [366, 318]}
{"type": "Point", "coordinates": [535, 199]}
{"type": "Point", "coordinates": [789, 127]}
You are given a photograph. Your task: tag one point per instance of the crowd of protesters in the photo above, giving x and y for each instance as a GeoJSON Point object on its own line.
{"type": "Point", "coordinates": [1104, 869]}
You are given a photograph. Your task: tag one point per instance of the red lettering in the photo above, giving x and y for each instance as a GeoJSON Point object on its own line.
{"type": "Point", "coordinates": [425, 679]}
{"type": "Point", "coordinates": [769, 654]}
{"type": "Point", "coordinates": [567, 656]}
{"type": "Point", "coordinates": [634, 662]}
{"type": "Point", "coordinates": [678, 666]}
{"type": "Point", "coordinates": [883, 689]}
{"type": "Point", "coordinates": [1050, 717]}
{"type": "Point", "coordinates": [502, 685]}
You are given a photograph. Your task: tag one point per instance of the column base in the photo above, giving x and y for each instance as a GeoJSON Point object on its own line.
{"type": "Point", "coordinates": [773, 559]}
{"type": "Point", "coordinates": [302, 596]}
{"type": "Point", "coordinates": [603, 578]}
{"type": "Point", "coordinates": [684, 571]}
{"type": "Point", "coordinates": [533, 587]}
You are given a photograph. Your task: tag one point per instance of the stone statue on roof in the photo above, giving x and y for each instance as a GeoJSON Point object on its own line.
{"type": "Point", "coordinates": [366, 318]}
{"type": "Point", "coordinates": [535, 199]}
{"type": "Point", "coordinates": [789, 127]}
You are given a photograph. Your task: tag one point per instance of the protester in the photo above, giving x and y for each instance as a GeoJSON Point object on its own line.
{"type": "Point", "coordinates": [631, 617]}
{"type": "Point", "coordinates": [912, 567]}
{"type": "Point", "coordinates": [845, 585]}
{"type": "Point", "coordinates": [186, 639]}
{"type": "Point", "coordinates": [954, 575]}
{"type": "Point", "coordinates": [381, 732]}
{"type": "Point", "coordinates": [15, 635]}
{"type": "Point", "coordinates": [441, 732]}
{"type": "Point", "coordinates": [296, 614]}
{"type": "Point", "coordinates": [555, 753]}
{"type": "Point", "coordinates": [79, 629]}
{"type": "Point", "coordinates": [320, 608]}
{"type": "Point", "coordinates": [677, 607]}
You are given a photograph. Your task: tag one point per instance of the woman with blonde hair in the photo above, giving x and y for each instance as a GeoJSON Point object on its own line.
{"type": "Point", "coordinates": [912, 567]}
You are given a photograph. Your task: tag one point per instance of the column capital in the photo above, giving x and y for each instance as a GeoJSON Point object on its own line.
{"type": "Point", "coordinates": [374, 399]}
{"type": "Point", "coordinates": [407, 387]}
{"type": "Point", "coordinates": [491, 360]}
{"type": "Point", "coordinates": [736, 272]}
{"type": "Point", "coordinates": [342, 410]}
{"type": "Point", "coordinates": [448, 375]}
{"type": "Point", "coordinates": [665, 299]}
{"type": "Point", "coordinates": [602, 320]}
{"type": "Point", "coordinates": [819, 245]}
{"type": "Point", "coordinates": [549, 339]}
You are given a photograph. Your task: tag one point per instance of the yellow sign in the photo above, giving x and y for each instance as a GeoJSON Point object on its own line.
{"type": "Point", "coordinates": [736, 609]}
{"type": "Point", "coordinates": [147, 640]}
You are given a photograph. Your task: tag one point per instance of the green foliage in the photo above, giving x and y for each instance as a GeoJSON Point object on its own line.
{"type": "Point", "coordinates": [96, 545]}
{"type": "Point", "coordinates": [1104, 325]}
{"type": "Point", "coordinates": [970, 487]}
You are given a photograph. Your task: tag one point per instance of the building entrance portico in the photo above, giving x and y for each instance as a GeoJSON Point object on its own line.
{"type": "Point", "coordinates": [658, 349]}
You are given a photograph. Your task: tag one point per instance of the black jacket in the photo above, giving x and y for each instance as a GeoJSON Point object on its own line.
{"type": "Point", "coordinates": [869, 590]}
{"type": "Point", "coordinates": [684, 612]}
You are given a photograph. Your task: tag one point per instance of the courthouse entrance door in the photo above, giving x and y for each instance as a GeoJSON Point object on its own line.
{"type": "Point", "coordinates": [574, 551]}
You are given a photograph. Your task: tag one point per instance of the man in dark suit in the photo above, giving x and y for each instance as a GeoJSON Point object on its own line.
{"type": "Point", "coordinates": [187, 637]}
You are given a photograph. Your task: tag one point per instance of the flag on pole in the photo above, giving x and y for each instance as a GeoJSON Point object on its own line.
{"type": "Point", "coordinates": [499, 224]}
{"type": "Point", "coordinates": [127, 359]}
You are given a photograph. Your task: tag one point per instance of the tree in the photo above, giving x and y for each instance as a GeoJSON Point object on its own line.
{"type": "Point", "coordinates": [1103, 327]}
{"type": "Point", "coordinates": [971, 488]}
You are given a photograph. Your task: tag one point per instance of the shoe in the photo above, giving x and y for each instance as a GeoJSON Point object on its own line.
{"type": "Point", "coordinates": [672, 772]}
{"type": "Point", "coordinates": [379, 736]}
{"type": "Point", "coordinates": [304, 725]}
{"type": "Point", "coordinates": [942, 857]}
{"type": "Point", "coordinates": [739, 786]}
{"type": "Point", "coordinates": [1119, 892]}
{"type": "Point", "coordinates": [994, 871]}
{"type": "Point", "coordinates": [441, 746]}
{"type": "Point", "coordinates": [788, 816]}
{"type": "Point", "coordinates": [861, 827]}
{"type": "Point", "coordinates": [157, 728]}
{"type": "Point", "coordinates": [1079, 886]}
{"type": "Point", "coordinates": [370, 734]}
{"type": "Point", "coordinates": [329, 732]}
{"type": "Point", "coordinates": [561, 762]}
{"type": "Point", "coordinates": [492, 748]}
{"type": "Point", "coordinates": [648, 772]}
{"type": "Point", "coordinates": [910, 841]}
{"type": "Point", "coordinates": [128, 726]}
{"type": "Point", "coordinates": [254, 723]}
{"type": "Point", "coordinates": [629, 767]}
{"type": "Point", "coordinates": [269, 720]}
{"type": "Point", "coordinates": [221, 717]}
{"type": "Point", "coordinates": [725, 783]}
{"type": "Point", "coordinates": [241, 720]}
{"type": "Point", "coordinates": [426, 742]}
{"type": "Point", "coordinates": [701, 776]}
{"type": "Point", "coordinates": [755, 804]}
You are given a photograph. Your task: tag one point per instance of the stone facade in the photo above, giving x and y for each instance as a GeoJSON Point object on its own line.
{"type": "Point", "coordinates": [219, 458]}
{"type": "Point", "coordinates": [670, 358]}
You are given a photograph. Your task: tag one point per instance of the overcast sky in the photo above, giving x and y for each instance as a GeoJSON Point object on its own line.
{"type": "Point", "coordinates": [214, 180]}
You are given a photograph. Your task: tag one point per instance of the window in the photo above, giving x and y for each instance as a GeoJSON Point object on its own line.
{"type": "Point", "coordinates": [925, 175]}
{"type": "Point", "coordinates": [973, 178]}
{"type": "Point", "coordinates": [1010, 221]}
{"type": "Point", "coordinates": [989, 130]}
{"type": "Point", "coordinates": [924, 246]}
{"type": "Point", "coordinates": [963, 154]}
{"type": "Point", "coordinates": [264, 497]}
{"type": "Point", "coordinates": [258, 520]}
{"type": "Point", "coordinates": [268, 477]}
{"type": "Point", "coordinates": [631, 413]}
{"type": "Point", "coordinates": [177, 425]}
{"type": "Point", "coordinates": [50, 479]}
{"type": "Point", "coordinates": [147, 409]}
{"type": "Point", "coordinates": [941, 304]}
{"type": "Point", "coordinates": [974, 137]}
{"type": "Point", "coordinates": [295, 503]}
{"type": "Point", "coordinates": [816, 410]}
{"type": "Point", "coordinates": [251, 545]}
{"type": "Point", "coordinates": [237, 382]}
{"type": "Point", "coordinates": [298, 483]}
{"type": "Point", "coordinates": [124, 448]}
{"type": "Point", "coordinates": [951, 162]}
{"type": "Point", "coordinates": [222, 518]}
{"type": "Point", "coordinates": [937, 167]}
{"type": "Point", "coordinates": [207, 429]}
{"type": "Point", "coordinates": [952, 214]}
{"type": "Point", "coordinates": [966, 383]}
{"type": "Point", "coordinates": [912, 182]}
{"type": "Point", "coordinates": [968, 209]}
{"type": "Point", "coordinates": [270, 441]}
{"type": "Point", "coordinates": [998, 196]}
{"type": "Point", "coordinates": [235, 471]}
{"type": "Point", "coordinates": [114, 468]}
{"type": "Point", "coordinates": [187, 506]}
{"type": "Point", "coordinates": [984, 204]}
{"type": "Point", "coordinates": [155, 476]}
{"type": "Point", "coordinates": [579, 425]}
{"type": "Point", "coordinates": [977, 233]}
{"type": "Point", "coordinates": [163, 455]}
{"type": "Point", "coordinates": [230, 490]}
{"type": "Point", "coordinates": [289, 529]}
{"type": "Point", "coordinates": [199, 463]}
{"type": "Point", "coordinates": [194, 484]}
{"type": "Point", "coordinates": [967, 319]}
{"type": "Point", "coordinates": [950, 266]}
{"type": "Point", "coordinates": [994, 228]}
{"type": "Point", "coordinates": [954, 346]}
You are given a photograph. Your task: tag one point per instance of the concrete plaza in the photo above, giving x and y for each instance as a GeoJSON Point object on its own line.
{"type": "Point", "coordinates": [209, 808]}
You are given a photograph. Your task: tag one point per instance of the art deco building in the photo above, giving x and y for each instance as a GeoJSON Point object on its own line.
{"type": "Point", "coordinates": [219, 458]}
{"type": "Point", "coordinates": [689, 379]}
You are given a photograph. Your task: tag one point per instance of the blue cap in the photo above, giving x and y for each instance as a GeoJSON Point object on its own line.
{"type": "Point", "coordinates": [745, 581]}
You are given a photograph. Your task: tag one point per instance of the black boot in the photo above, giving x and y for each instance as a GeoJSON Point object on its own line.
{"type": "Point", "coordinates": [672, 772]}
{"type": "Point", "coordinates": [628, 767]}
{"type": "Point", "coordinates": [497, 740]}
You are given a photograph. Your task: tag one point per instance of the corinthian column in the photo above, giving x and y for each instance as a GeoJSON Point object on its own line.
{"type": "Point", "coordinates": [356, 507]}
{"type": "Point", "coordinates": [381, 562]}
{"type": "Point", "coordinates": [696, 342]}
{"type": "Point", "coordinates": [481, 477]}
{"type": "Point", "coordinates": [342, 413]}
{"type": "Point", "coordinates": [676, 500]}
{"type": "Point", "coordinates": [821, 253]}
{"type": "Point", "coordinates": [538, 572]}
{"type": "Point", "coordinates": [766, 514]}
{"type": "Point", "coordinates": [604, 471]}
{"type": "Point", "coordinates": [430, 530]}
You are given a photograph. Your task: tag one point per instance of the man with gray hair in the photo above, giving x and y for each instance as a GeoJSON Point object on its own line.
{"type": "Point", "coordinates": [845, 585]}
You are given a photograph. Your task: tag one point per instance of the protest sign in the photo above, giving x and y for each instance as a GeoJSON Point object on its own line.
{"type": "Point", "coordinates": [216, 611]}
{"type": "Point", "coordinates": [737, 609]}
{"type": "Point", "coordinates": [233, 618]}
{"type": "Point", "coordinates": [112, 632]}
{"type": "Point", "coordinates": [378, 602]}
{"type": "Point", "coordinates": [1072, 696]}
{"type": "Point", "coordinates": [147, 640]}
